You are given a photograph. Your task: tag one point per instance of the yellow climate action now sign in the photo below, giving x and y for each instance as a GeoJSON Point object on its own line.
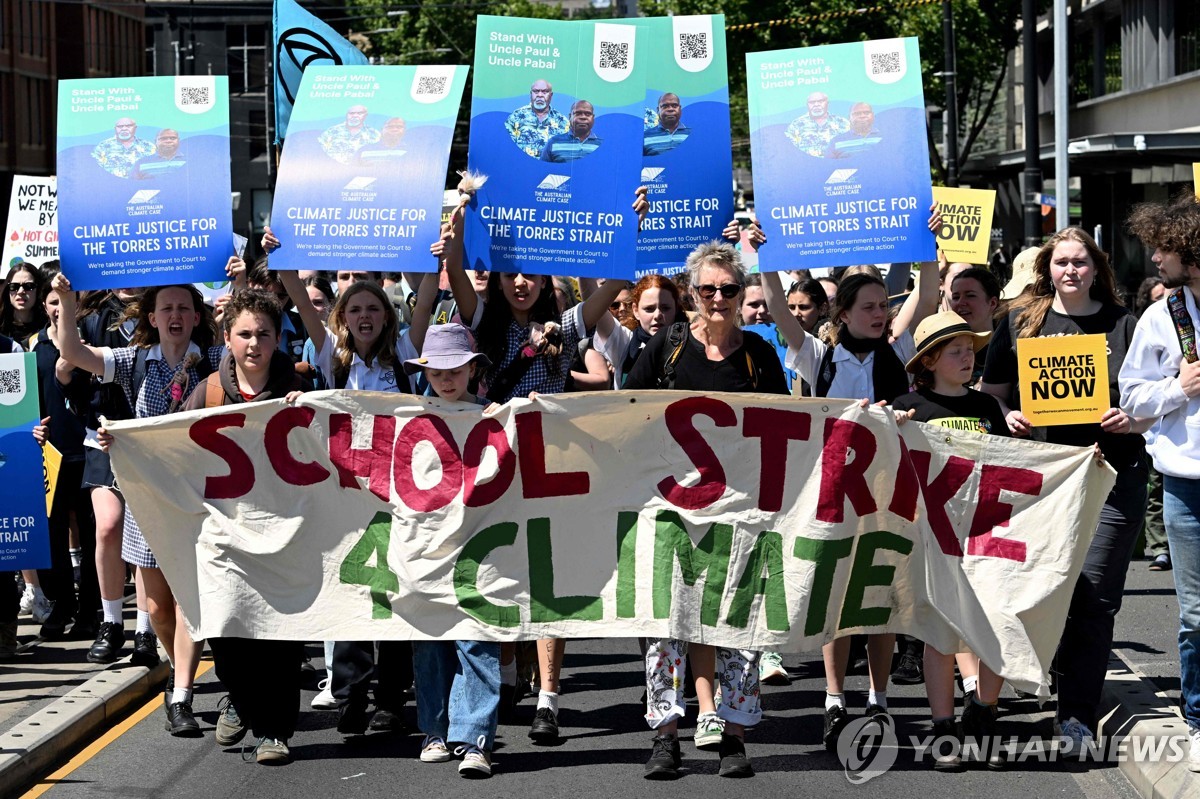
{"type": "Point", "coordinates": [1064, 379]}
{"type": "Point", "coordinates": [966, 231]}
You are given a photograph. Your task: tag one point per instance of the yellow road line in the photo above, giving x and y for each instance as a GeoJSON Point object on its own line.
{"type": "Point", "coordinates": [96, 746]}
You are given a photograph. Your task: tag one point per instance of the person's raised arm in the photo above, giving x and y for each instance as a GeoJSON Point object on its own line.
{"type": "Point", "coordinates": [427, 291]}
{"type": "Point", "coordinates": [308, 312]}
{"type": "Point", "coordinates": [924, 300]}
{"type": "Point", "coordinates": [595, 307]}
{"type": "Point", "coordinates": [70, 347]}
{"type": "Point", "coordinates": [461, 284]}
{"type": "Point", "coordinates": [788, 326]}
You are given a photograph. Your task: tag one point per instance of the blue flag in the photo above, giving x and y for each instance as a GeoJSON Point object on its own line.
{"type": "Point", "coordinates": [300, 40]}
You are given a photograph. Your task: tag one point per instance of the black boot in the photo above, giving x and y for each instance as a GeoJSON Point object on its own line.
{"type": "Point", "coordinates": [979, 723]}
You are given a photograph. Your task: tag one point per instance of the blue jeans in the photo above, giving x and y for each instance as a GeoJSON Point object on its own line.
{"type": "Point", "coordinates": [458, 689]}
{"type": "Point", "coordinates": [1181, 512]}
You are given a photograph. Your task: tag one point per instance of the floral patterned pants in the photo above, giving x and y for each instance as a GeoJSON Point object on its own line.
{"type": "Point", "coordinates": [666, 668]}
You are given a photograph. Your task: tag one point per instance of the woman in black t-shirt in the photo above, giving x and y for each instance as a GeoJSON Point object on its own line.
{"type": "Point", "coordinates": [1074, 292]}
{"type": "Point", "coordinates": [946, 348]}
{"type": "Point", "coordinates": [713, 354]}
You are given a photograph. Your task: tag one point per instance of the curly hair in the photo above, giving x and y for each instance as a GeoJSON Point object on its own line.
{"type": "Point", "coordinates": [204, 334]}
{"type": "Point", "coordinates": [717, 254]}
{"type": "Point", "coordinates": [255, 301]}
{"type": "Point", "coordinates": [1034, 303]}
{"type": "Point", "coordinates": [383, 350]}
{"type": "Point", "coordinates": [645, 284]}
{"type": "Point", "coordinates": [1174, 227]}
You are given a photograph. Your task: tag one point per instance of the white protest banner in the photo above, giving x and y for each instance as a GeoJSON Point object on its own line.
{"type": "Point", "coordinates": [742, 520]}
{"type": "Point", "coordinates": [32, 230]}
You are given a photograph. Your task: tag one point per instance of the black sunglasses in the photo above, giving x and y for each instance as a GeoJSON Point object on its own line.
{"type": "Point", "coordinates": [728, 290]}
{"type": "Point", "coordinates": [13, 288]}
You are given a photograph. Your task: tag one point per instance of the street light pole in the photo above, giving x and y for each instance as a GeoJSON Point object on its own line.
{"type": "Point", "coordinates": [951, 138]}
{"type": "Point", "coordinates": [1033, 167]}
{"type": "Point", "coordinates": [1062, 165]}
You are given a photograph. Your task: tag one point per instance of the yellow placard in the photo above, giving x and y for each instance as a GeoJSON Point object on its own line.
{"type": "Point", "coordinates": [1196, 178]}
{"type": "Point", "coordinates": [1064, 379]}
{"type": "Point", "coordinates": [966, 231]}
{"type": "Point", "coordinates": [51, 464]}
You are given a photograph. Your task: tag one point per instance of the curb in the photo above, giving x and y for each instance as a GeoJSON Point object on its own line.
{"type": "Point", "coordinates": [1133, 709]}
{"type": "Point", "coordinates": [34, 744]}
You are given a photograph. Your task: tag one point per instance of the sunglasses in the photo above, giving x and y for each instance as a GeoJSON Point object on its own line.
{"type": "Point", "coordinates": [728, 291]}
{"type": "Point", "coordinates": [13, 288]}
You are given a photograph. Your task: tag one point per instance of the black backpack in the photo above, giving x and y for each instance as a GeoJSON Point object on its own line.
{"type": "Point", "coordinates": [677, 336]}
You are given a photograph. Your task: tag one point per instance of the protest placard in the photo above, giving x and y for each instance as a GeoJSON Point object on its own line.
{"type": "Point", "coordinates": [1063, 379]}
{"type": "Point", "coordinates": [966, 231]}
{"type": "Point", "coordinates": [24, 533]}
{"type": "Point", "coordinates": [557, 126]}
{"type": "Point", "coordinates": [754, 521]}
{"type": "Point", "coordinates": [686, 155]}
{"type": "Point", "coordinates": [840, 154]}
{"type": "Point", "coordinates": [364, 167]}
{"type": "Point", "coordinates": [32, 233]}
{"type": "Point", "coordinates": [143, 168]}
{"type": "Point", "coordinates": [51, 466]}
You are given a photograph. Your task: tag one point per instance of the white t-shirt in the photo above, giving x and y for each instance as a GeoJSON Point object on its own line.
{"type": "Point", "coordinates": [368, 378]}
{"type": "Point", "coordinates": [615, 349]}
{"type": "Point", "coordinates": [852, 379]}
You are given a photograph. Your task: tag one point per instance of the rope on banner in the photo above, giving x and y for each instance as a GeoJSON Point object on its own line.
{"type": "Point", "coordinates": [854, 12]}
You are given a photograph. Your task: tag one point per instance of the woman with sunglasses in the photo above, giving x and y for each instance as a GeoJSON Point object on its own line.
{"type": "Point", "coordinates": [712, 353]}
{"type": "Point", "coordinates": [21, 311]}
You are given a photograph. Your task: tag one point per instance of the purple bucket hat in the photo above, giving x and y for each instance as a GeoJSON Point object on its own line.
{"type": "Point", "coordinates": [446, 347]}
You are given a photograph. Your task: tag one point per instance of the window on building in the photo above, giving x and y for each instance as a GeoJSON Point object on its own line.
{"type": "Point", "coordinates": [258, 134]}
{"type": "Point", "coordinates": [1187, 36]}
{"type": "Point", "coordinates": [34, 102]}
{"type": "Point", "coordinates": [1112, 56]}
{"type": "Point", "coordinates": [247, 58]}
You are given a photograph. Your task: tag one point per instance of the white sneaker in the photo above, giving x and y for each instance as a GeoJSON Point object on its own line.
{"type": "Point", "coordinates": [27, 600]}
{"type": "Point", "coordinates": [1194, 752]}
{"type": "Point", "coordinates": [771, 670]}
{"type": "Point", "coordinates": [1078, 739]}
{"type": "Point", "coordinates": [324, 700]}
{"type": "Point", "coordinates": [41, 609]}
{"type": "Point", "coordinates": [709, 728]}
{"type": "Point", "coordinates": [476, 763]}
{"type": "Point", "coordinates": [433, 750]}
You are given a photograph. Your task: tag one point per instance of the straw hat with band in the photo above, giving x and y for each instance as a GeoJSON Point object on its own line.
{"type": "Point", "coordinates": [446, 347]}
{"type": "Point", "coordinates": [940, 327]}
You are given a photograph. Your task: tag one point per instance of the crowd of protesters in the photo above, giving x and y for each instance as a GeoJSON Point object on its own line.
{"type": "Point", "coordinates": [945, 352]}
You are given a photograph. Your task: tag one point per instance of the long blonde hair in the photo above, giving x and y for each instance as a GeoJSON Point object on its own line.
{"type": "Point", "coordinates": [384, 348]}
{"type": "Point", "coordinates": [1034, 303]}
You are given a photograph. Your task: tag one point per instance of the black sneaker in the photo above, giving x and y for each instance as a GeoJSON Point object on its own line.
{"type": "Point", "coordinates": [664, 759]}
{"type": "Point", "coordinates": [168, 689]}
{"type": "Point", "coordinates": [109, 640]}
{"type": "Point", "coordinates": [230, 727]}
{"type": "Point", "coordinates": [876, 710]}
{"type": "Point", "coordinates": [910, 670]}
{"type": "Point", "coordinates": [545, 726]}
{"type": "Point", "coordinates": [387, 721]}
{"type": "Point", "coordinates": [145, 650]}
{"type": "Point", "coordinates": [734, 762]}
{"type": "Point", "coordinates": [836, 719]}
{"type": "Point", "coordinates": [181, 722]}
{"type": "Point", "coordinates": [946, 758]}
{"type": "Point", "coordinates": [353, 717]}
{"type": "Point", "coordinates": [979, 723]}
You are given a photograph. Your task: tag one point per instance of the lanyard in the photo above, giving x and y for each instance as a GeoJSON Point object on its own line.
{"type": "Point", "coordinates": [1183, 324]}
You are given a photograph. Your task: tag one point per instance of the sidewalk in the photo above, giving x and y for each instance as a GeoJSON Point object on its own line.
{"type": "Point", "coordinates": [52, 701]}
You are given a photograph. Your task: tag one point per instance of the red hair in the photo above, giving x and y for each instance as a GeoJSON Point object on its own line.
{"type": "Point", "coordinates": [642, 286]}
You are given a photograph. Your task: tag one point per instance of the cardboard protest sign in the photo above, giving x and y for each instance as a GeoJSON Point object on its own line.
{"type": "Point", "coordinates": [32, 233]}
{"type": "Point", "coordinates": [51, 466]}
{"type": "Point", "coordinates": [840, 154]}
{"type": "Point", "coordinates": [966, 232]}
{"type": "Point", "coordinates": [1064, 379]}
{"type": "Point", "coordinates": [754, 521]}
{"type": "Point", "coordinates": [24, 533]}
{"type": "Point", "coordinates": [687, 159]}
{"type": "Point", "coordinates": [557, 127]}
{"type": "Point", "coordinates": [1196, 179]}
{"type": "Point", "coordinates": [364, 167]}
{"type": "Point", "coordinates": [143, 168]}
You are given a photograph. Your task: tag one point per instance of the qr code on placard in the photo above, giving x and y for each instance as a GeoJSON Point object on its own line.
{"type": "Point", "coordinates": [428, 85]}
{"type": "Point", "coordinates": [614, 55]}
{"type": "Point", "coordinates": [10, 381]}
{"type": "Point", "coordinates": [885, 63]}
{"type": "Point", "coordinates": [194, 95]}
{"type": "Point", "coordinates": [693, 45]}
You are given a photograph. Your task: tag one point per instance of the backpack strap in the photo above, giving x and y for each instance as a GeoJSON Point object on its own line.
{"type": "Point", "coordinates": [214, 394]}
{"type": "Point", "coordinates": [1182, 322]}
{"type": "Point", "coordinates": [139, 374]}
{"type": "Point", "coordinates": [677, 336]}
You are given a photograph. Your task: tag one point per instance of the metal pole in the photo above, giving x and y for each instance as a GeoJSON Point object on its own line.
{"type": "Point", "coordinates": [951, 96]}
{"type": "Point", "coordinates": [1033, 170]}
{"type": "Point", "coordinates": [1062, 217]}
